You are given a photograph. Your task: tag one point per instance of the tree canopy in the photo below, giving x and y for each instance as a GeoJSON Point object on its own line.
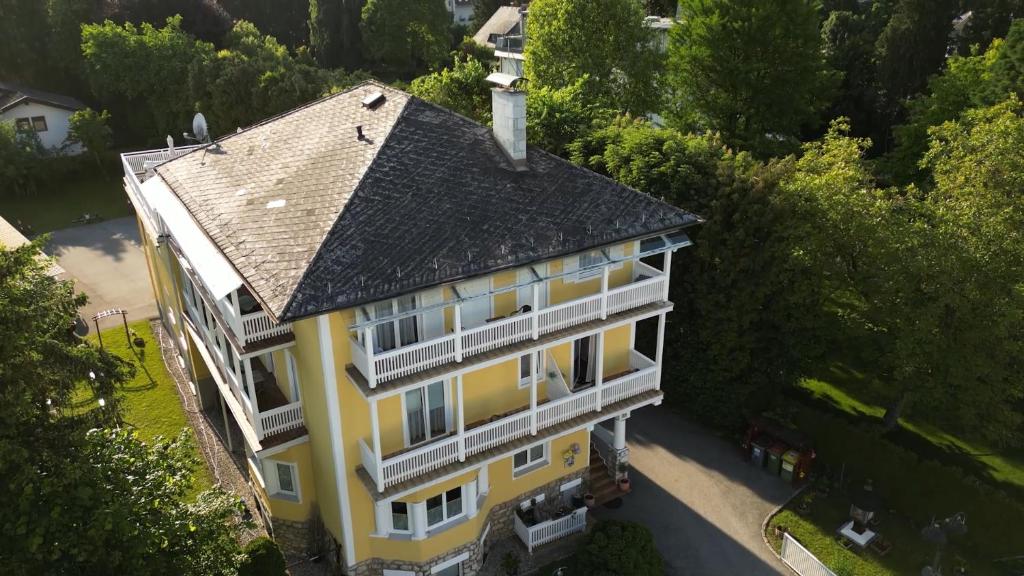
{"type": "Point", "coordinates": [403, 37]}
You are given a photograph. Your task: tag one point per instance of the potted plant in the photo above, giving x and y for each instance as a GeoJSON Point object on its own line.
{"type": "Point", "coordinates": [624, 484]}
{"type": "Point", "coordinates": [139, 341]}
{"type": "Point", "coordinates": [589, 500]}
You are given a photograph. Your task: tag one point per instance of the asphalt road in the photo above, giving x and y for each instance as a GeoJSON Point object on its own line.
{"type": "Point", "coordinates": [702, 501]}
{"type": "Point", "coordinates": [107, 263]}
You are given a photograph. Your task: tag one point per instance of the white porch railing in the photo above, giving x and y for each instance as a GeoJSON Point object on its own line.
{"type": "Point", "coordinates": [258, 326]}
{"type": "Point", "coordinates": [138, 162]}
{"type": "Point", "coordinates": [281, 419]}
{"type": "Point", "coordinates": [408, 465]}
{"type": "Point", "coordinates": [551, 530]}
{"type": "Point", "coordinates": [384, 366]}
{"type": "Point", "coordinates": [801, 560]}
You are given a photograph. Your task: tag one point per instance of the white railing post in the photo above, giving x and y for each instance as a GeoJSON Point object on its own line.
{"type": "Point", "coordinates": [462, 418]}
{"type": "Point", "coordinates": [371, 367]}
{"type": "Point", "coordinates": [252, 398]}
{"type": "Point", "coordinates": [659, 351]}
{"type": "Point", "coordinates": [535, 310]}
{"type": "Point", "coordinates": [377, 456]}
{"type": "Point", "coordinates": [458, 332]}
{"type": "Point", "coordinates": [599, 369]}
{"type": "Point", "coordinates": [668, 272]}
{"type": "Point", "coordinates": [604, 293]}
{"type": "Point", "coordinates": [238, 326]}
{"type": "Point", "coordinates": [533, 392]}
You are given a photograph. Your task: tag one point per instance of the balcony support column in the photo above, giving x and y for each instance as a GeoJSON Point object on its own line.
{"type": "Point", "coordinates": [371, 366]}
{"type": "Point", "coordinates": [471, 509]}
{"type": "Point", "coordinates": [250, 383]}
{"type": "Point", "coordinates": [619, 442]}
{"type": "Point", "coordinates": [239, 326]}
{"type": "Point", "coordinates": [599, 369]}
{"type": "Point", "coordinates": [375, 432]}
{"type": "Point", "coordinates": [604, 292]}
{"type": "Point", "coordinates": [536, 312]}
{"type": "Point", "coordinates": [462, 418]}
{"type": "Point", "coordinates": [418, 510]}
{"type": "Point", "coordinates": [668, 273]}
{"type": "Point", "coordinates": [381, 511]}
{"type": "Point", "coordinates": [458, 332]}
{"type": "Point", "coordinates": [659, 352]}
{"type": "Point", "coordinates": [533, 392]}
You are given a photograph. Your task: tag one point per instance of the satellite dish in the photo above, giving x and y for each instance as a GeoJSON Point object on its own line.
{"type": "Point", "coordinates": [199, 128]}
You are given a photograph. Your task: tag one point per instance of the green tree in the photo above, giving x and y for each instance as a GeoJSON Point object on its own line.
{"type": "Point", "coordinates": [462, 87]}
{"type": "Point", "coordinates": [755, 75]}
{"type": "Point", "coordinates": [23, 36]}
{"type": "Point", "coordinates": [405, 37]}
{"type": "Point", "coordinates": [555, 117]}
{"type": "Point", "coordinates": [262, 558]}
{"type": "Point", "coordinates": [848, 41]}
{"type": "Point", "coordinates": [204, 19]}
{"type": "Point", "coordinates": [334, 35]}
{"type": "Point", "coordinates": [286, 20]}
{"type": "Point", "coordinates": [80, 499]}
{"type": "Point", "coordinates": [64, 45]}
{"type": "Point", "coordinates": [615, 548]}
{"type": "Point", "coordinates": [605, 40]}
{"type": "Point", "coordinates": [89, 129]}
{"type": "Point", "coordinates": [19, 162]}
{"type": "Point", "coordinates": [990, 19]}
{"type": "Point", "coordinates": [142, 73]}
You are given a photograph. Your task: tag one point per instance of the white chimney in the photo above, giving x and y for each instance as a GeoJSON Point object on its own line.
{"type": "Point", "coordinates": [509, 115]}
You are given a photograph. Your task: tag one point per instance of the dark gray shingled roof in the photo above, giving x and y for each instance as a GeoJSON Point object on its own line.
{"type": "Point", "coordinates": [12, 94]}
{"type": "Point", "coordinates": [429, 198]}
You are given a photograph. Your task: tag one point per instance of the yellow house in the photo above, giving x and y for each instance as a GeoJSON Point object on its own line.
{"type": "Point", "coordinates": [416, 326]}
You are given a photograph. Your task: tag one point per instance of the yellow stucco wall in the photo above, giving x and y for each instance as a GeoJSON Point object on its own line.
{"type": "Point", "coordinates": [284, 508]}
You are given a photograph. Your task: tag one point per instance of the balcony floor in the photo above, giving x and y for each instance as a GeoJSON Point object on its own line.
{"type": "Point", "coordinates": [632, 403]}
{"type": "Point", "coordinates": [437, 372]}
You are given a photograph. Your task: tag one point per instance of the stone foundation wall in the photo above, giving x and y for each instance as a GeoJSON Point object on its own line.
{"type": "Point", "coordinates": [292, 537]}
{"type": "Point", "coordinates": [501, 521]}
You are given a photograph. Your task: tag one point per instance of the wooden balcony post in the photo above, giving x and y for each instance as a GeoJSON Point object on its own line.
{"type": "Point", "coordinates": [599, 370]}
{"type": "Point", "coordinates": [239, 325]}
{"type": "Point", "coordinates": [371, 366]}
{"type": "Point", "coordinates": [458, 332]}
{"type": "Point", "coordinates": [533, 392]}
{"type": "Point", "coordinates": [252, 398]}
{"type": "Point", "coordinates": [536, 310]}
{"type": "Point", "coordinates": [604, 292]}
{"type": "Point", "coordinates": [668, 272]}
{"type": "Point", "coordinates": [462, 418]}
{"type": "Point", "coordinates": [378, 459]}
{"type": "Point", "coordinates": [659, 351]}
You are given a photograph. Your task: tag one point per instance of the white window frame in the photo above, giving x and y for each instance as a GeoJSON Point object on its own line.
{"type": "Point", "coordinates": [273, 482]}
{"type": "Point", "coordinates": [293, 375]}
{"type": "Point", "coordinates": [458, 560]}
{"type": "Point", "coordinates": [408, 517]}
{"type": "Point", "coordinates": [581, 275]}
{"type": "Point", "coordinates": [369, 311]}
{"type": "Point", "coordinates": [524, 382]}
{"type": "Point", "coordinates": [448, 420]}
{"type": "Point", "coordinates": [531, 463]}
{"type": "Point", "coordinates": [446, 520]}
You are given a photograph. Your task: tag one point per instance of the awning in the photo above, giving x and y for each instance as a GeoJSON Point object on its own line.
{"type": "Point", "coordinates": [210, 265]}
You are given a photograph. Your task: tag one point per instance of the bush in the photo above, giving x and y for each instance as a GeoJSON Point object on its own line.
{"type": "Point", "coordinates": [262, 558]}
{"type": "Point", "coordinates": [617, 548]}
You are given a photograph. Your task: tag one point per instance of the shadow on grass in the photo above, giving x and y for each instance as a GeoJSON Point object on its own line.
{"type": "Point", "coordinates": [140, 364]}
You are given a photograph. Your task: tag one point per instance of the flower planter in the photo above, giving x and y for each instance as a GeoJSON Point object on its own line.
{"type": "Point", "coordinates": [589, 500]}
{"type": "Point", "coordinates": [624, 484]}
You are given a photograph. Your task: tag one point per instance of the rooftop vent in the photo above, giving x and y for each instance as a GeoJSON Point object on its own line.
{"type": "Point", "coordinates": [374, 100]}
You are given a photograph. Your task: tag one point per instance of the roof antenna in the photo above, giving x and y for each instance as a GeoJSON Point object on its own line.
{"type": "Point", "coordinates": [359, 133]}
{"type": "Point", "coordinates": [435, 263]}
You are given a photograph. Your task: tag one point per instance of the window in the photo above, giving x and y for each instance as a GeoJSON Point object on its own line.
{"type": "Point", "coordinates": [453, 570]}
{"type": "Point", "coordinates": [282, 479]}
{"type": "Point", "coordinates": [400, 517]}
{"type": "Point", "coordinates": [426, 413]}
{"type": "Point", "coordinates": [23, 125]}
{"type": "Point", "coordinates": [444, 507]}
{"type": "Point", "coordinates": [293, 374]}
{"type": "Point", "coordinates": [39, 123]}
{"type": "Point", "coordinates": [583, 362]}
{"type": "Point", "coordinates": [401, 332]}
{"type": "Point", "coordinates": [529, 460]}
{"type": "Point", "coordinates": [524, 369]}
{"type": "Point", "coordinates": [591, 260]}
{"type": "Point", "coordinates": [285, 479]}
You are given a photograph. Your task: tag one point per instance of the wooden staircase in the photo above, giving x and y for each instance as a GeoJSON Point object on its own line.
{"type": "Point", "coordinates": [602, 484]}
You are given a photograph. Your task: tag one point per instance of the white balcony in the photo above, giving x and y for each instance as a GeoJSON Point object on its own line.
{"type": "Point", "coordinates": [388, 471]}
{"type": "Point", "coordinates": [649, 287]}
{"type": "Point", "coordinates": [534, 535]}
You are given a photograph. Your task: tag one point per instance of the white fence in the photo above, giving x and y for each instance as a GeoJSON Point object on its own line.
{"type": "Point", "coordinates": [551, 530]}
{"type": "Point", "coordinates": [800, 560]}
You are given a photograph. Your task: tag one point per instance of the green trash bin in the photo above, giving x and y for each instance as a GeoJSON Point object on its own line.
{"type": "Point", "coordinates": [789, 460]}
{"type": "Point", "coordinates": [774, 461]}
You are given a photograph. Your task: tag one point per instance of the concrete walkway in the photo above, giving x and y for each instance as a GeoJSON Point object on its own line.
{"type": "Point", "coordinates": [107, 263]}
{"type": "Point", "coordinates": [702, 501]}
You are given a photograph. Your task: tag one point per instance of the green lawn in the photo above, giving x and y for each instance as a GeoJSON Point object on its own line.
{"type": "Point", "coordinates": [150, 401]}
{"type": "Point", "coordinates": [58, 204]}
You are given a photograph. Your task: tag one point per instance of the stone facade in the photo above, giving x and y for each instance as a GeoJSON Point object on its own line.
{"type": "Point", "coordinates": [501, 522]}
{"type": "Point", "coordinates": [292, 537]}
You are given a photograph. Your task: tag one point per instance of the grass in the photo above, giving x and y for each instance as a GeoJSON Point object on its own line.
{"type": "Point", "coordinates": [57, 205]}
{"type": "Point", "coordinates": [150, 401]}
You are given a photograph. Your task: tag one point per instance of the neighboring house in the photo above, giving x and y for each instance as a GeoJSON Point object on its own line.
{"type": "Point", "coordinates": [505, 33]}
{"type": "Point", "coordinates": [11, 238]}
{"type": "Point", "coordinates": [461, 11]}
{"type": "Point", "coordinates": [44, 113]}
{"type": "Point", "coordinates": [418, 325]}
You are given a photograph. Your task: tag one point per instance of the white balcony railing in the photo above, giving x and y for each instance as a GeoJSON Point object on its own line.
{"type": "Point", "coordinates": [258, 326]}
{"type": "Point", "coordinates": [384, 366]}
{"type": "Point", "coordinates": [281, 419]}
{"type": "Point", "coordinates": [551, 530]}
{"type": "Point", "coordinates": [396, 469]}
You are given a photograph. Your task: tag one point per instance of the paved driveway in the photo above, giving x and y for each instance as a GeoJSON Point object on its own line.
{"type": "Point", "coordinates": [107, 263]}
{"type": "Point", "coordinates": [703, 502]}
